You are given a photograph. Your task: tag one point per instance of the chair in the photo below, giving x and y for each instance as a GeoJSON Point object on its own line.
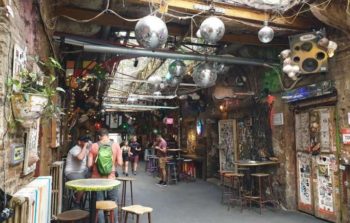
{"type": "Point", "coordinates": [172, 172]}
{"type": "Point", "coordinates": [152, 165]}
{"type": "Point", "coordinates": [137, 210]}
{"type": "Point", "coordinates": [72, 216]}
{"type": "Point", "coordinates": [106, 206]}
{"type": "Point", "coordinates": [261, 197]}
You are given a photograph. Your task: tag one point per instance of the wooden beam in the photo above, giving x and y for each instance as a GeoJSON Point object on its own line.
{"type": "Point", "coordinates": [235, 12]}
{"type": "Point", "coordinates": [174, 30]}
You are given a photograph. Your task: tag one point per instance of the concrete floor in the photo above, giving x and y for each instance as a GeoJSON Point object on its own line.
{"type": "Point", "coordinates": [199, 201]}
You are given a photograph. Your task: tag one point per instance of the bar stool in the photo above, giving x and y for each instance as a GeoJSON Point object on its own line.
{"type": "Point", "coordinates": [261, 195]}
{"type": "Point", "coordinates": [152, 165]}
{"type": "Point", "coordinates": [224, 189]}
{"type": "Point", "coordinates": [124, 181]}
{"type": "Point", "coordinates": [237, 188]}
{"type": "Point", "coordinates": [137, 210]}
{"type": "Point", "coordinates": [106, 206]}
{"type": "Point", "coordinates": [72, 216]}
{"type": "Point", "coordinates": [188, 170]}
{"type": "Point", "coordinates": [172, 172]}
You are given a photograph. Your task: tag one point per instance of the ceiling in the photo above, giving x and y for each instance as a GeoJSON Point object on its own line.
{"type": "Point", "coordinates": [112, 23]}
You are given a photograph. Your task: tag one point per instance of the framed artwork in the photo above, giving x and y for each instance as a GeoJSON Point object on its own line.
{"type": "Point", "coordinates": [31, 147]}
{"type": "Point", "coordinates": [228, 144]}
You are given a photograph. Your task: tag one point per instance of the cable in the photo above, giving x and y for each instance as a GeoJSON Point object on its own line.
{"type": "Point", "coordinates": [280, 79]}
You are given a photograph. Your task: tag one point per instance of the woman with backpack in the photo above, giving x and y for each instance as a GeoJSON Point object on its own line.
{"type": "Point", "coordinates": [126, 154]}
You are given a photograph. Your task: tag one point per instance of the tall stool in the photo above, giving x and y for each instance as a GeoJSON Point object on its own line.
{"type": "Point", "coordinates": [225, 191]}
{"type": "Point", "coordinates": [124, 181]}
{"type": "Point", "coordinates": [137, 210]}
{"type": "Point", "coordinates": [237, 189]}
{"type": "Point", "coordinates": [72, 216]}
{"type": "Point", "coordinates": [188, 170]}
{"type": "Point", "coordinates": [261, 196]}
{"type": "Point", "coordinates": [106, 206]}
{"type": "Point", "coordinates": [172, 172]}
{"type": "Point", "coordinates": [152, 165]}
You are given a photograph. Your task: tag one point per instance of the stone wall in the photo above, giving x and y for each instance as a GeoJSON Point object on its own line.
{"type": "Point", "coordinates": [26, 29]}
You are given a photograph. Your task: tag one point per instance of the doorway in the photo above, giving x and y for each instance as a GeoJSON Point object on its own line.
{"type": "Point", "coordinates": [317, 163]}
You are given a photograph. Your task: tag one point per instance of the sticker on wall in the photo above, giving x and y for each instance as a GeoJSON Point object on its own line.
{"type": "Point", "coordinates": [304, 170]}
{"type": "Point", "coordinates": [324, 184]}
{"type": "Point", "coordinates": [324, 130]}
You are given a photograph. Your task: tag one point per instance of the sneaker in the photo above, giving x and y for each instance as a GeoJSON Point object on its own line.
{"type": "Point", "coordinates": [160, 182]}
{"type": "Point", "coordinates": [164, 184]}
{"type": "Point", "coordinates": [134, 173]}
{"type": "Point", "coordinates": [127, 174]}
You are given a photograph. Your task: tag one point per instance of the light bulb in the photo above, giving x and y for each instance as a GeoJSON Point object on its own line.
{"type": "Point", "coordinates": [266, 33]}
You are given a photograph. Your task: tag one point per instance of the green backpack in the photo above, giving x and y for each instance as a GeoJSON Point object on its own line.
{"type": "Point", "coordinates": [104, 159]}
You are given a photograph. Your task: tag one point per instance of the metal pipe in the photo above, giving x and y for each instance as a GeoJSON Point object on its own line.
{"type": "Point", "coordinates": [146, 81]}
{"type": "Point", "coordinates": [130, 106]}
{"type": "Point", "coordinates": [176, 55]}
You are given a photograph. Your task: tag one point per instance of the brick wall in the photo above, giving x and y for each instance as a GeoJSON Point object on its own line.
{"type": "Point", "coordinates": [25, 29]}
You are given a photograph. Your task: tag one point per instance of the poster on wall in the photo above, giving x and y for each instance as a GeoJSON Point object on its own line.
{"type": "Point", "coordinates": [324, 184]}
{"type": "Point", "coordinates": [227, 144]}
{"type": "Point", "coordinates": [304, 131]}
{"type": "Point", "coordinates": [304, 172]}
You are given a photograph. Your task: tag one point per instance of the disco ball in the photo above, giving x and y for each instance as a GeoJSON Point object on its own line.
{"type": "Point", "coordinates": [154, 82]}
{"type": "Point", "coordinates": [266, 33]}
{"type": "Point", "coordinates": [177, 68]}
{"type": "Point", "coordinates": [173, 81]}
{"type": "Point", "coordinates": [205, 75]}
{"type": "Point", "coordinates": [212, 29]}
{"type": "Point", "coordinates": [151, 32]}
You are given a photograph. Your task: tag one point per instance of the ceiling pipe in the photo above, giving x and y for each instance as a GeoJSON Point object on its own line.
{"type": "Point", "coordinates": [131, 106]}
{"type": "Point", "coordinates": [177, 55]}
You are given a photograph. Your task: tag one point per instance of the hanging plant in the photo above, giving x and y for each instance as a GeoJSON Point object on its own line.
{"type": "Point", "coordinates": [33, 94]}
{"type": "Point", "coordinates": [271, 80]}
{"type": "Point", "coordinates": [99, 71]}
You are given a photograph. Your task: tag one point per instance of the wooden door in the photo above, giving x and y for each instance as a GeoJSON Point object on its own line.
{"type": "Point", "coordinates": [317, 163]}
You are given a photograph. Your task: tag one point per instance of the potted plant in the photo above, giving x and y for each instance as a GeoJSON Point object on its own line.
{"type": "Point", "coordinates": [32, 94]}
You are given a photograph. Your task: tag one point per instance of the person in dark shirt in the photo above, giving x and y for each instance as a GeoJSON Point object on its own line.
{"type": "Point", "coordinates": [135, 153]}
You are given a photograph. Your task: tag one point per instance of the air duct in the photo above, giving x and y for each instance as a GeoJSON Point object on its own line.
{"type": "Point", "coordinates": [176, 55]}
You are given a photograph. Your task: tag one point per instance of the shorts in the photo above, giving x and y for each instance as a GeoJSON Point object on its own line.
{"type": "Point", "coordinates": [77, 175]}
{"type": "Point", "coordinates": [162, 162]}
{"type": "Point", "coordinates": [125, 157]}
{"type": "Point", "coordinates": [134, 158]}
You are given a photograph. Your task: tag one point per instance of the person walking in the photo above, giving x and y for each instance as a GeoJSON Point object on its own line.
{"type": "Point", "coordinates": [161, 150]}
{"type": "Point", "coordinates": [126, 153]}
{"type": "Point", "coordinates": [103, 157]}
{"type": "Point", "coordinates": [135, 153]}
{"type": "Point", "coordinates": [76, 164]}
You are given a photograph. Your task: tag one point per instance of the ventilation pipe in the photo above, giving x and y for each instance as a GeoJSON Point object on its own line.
{"type": "Point", "coordinates": [177, 55]}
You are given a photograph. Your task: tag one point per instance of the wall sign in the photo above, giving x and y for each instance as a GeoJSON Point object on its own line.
{"type": "Point", "coordinates": [346, 136]}
{"type": "Point", "coordinates": [277, 119]}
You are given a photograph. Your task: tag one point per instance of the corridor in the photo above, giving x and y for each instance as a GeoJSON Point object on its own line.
{"type": "Point", "coordinates": [199, 202]}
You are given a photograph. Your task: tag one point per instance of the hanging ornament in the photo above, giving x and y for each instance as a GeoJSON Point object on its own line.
{"type": "Point", "coordinates": [174, 81]}
{"type": "Point", "coordinates": [212, 29]}
{"type": "Point", "coordinates": [151, 32]}
{"type": "Point", "coordinates": [205, 75]}
{"type": "Point", "coordinates": [177, 68]}
{"type": "Point", "coordinates": [266, 33]}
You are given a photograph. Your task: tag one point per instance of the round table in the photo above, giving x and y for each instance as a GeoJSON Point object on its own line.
{"type": "Point", "coordinates": [92, 185]}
